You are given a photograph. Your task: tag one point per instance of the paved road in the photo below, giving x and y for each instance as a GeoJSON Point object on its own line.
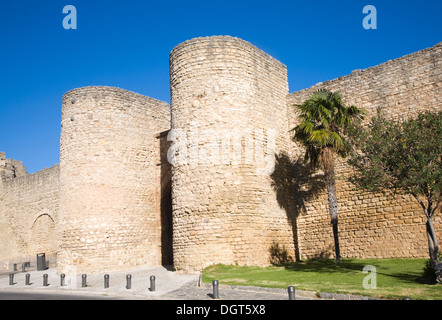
{"type": "Point", "coordinates": [168, 286]}
{"type": "Point", "coordinates": [48, 296]}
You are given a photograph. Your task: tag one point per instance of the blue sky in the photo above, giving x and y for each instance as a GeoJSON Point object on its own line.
{"type": "Point", "coordinates": [127, 44]}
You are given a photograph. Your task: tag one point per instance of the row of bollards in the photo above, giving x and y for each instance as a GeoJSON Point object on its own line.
{"type": "Point", "coordinates": [83, 281]}
{"type": "Point", "coordinates": [215, 283]}
{"type": "Point", "coordinates": [25, 265]}
{"type": "Point", "coordinates": [28, 280]}
{"type": "Point", "coordinates": [129, 282]}
{"type": "Point", "coordinates": [106, 281]}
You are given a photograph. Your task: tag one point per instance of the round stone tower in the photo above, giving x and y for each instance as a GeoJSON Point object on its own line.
{"type": "Point", "coordinates": [109, 177]}
{"type": "Point", "coordinates": [229, 124]}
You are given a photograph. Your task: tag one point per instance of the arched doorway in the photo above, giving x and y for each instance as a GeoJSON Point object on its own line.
{"type": "Point", "coordinates": [42, 236]}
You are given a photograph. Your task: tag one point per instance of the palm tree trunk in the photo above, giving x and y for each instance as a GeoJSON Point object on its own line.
{"type": "Point", "coordinates": [333, 208]}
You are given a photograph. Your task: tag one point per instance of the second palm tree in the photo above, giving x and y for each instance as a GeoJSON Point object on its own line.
{"type": "Point", "coordinates": [324, 119]}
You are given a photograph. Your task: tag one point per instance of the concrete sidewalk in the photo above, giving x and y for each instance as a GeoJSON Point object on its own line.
{"type": "Point", "coordinates": [169, 285]}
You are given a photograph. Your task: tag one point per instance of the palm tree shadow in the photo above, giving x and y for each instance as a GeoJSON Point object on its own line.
{"type": "Point", "coordinates": [325, 266]}
{"type": "Point", "coordinates": [294, 185]}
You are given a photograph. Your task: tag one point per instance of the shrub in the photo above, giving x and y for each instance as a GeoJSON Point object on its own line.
{"type": "Point", "coordinates": [428, 272]}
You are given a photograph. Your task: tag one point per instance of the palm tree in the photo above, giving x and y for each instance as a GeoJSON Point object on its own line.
{"type": "Point", "coordinates": [323, 121]}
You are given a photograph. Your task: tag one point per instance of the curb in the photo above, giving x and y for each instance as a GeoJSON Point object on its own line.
{"type": "Point", "coordinates": [341, 296]}
{"type": "Point", "coordinates": [302, 293]}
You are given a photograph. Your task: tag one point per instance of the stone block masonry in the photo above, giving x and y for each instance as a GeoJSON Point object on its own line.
{"type": "Point", "coordinates": [109, 178]}
{"type": "Point", "coordinates": [226, 211]}
{"type": "Point", "coordinates": [212, 178]}
{"type": "Point", "coordinates": [28, 212]}
{"type": "Point", "coordinates": [374, 225]}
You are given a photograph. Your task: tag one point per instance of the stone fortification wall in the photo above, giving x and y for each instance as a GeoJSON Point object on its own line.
{"type": "Point", "coordinates": [12, 168]}
{"type": "Point", "coordinates": [229, 117]}
{"type": "Point", "coordinates": [28, 211]}
{"type": "Point", "coordinates": [371, 225]}
{"type": "Point", "coordinates": [224, 185]}
{"type": "Point", "coordinates": [109, 180]}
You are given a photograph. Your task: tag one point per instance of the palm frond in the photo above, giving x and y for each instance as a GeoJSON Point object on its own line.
{"type": "Point", "coordinates": [324, 118]}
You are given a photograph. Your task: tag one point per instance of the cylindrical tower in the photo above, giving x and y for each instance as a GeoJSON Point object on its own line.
{"type": "Point", "coordinates": [109, 203]}
{"type": "Point", "coordinates": [229, 124]}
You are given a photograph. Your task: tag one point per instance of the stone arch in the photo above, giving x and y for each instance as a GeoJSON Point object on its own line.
{"type": "Point", "coordinates": [42, 234]}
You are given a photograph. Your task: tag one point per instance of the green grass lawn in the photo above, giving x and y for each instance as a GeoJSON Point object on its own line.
{"type": "Point", "coordinates": [395, 278]}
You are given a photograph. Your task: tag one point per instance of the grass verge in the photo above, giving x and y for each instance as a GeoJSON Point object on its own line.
{"type": "Point", "coordinates": [395, 278]}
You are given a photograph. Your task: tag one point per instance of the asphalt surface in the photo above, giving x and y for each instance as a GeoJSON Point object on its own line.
{"type": "Point", "coordinates": [169, 285]}
{"type": "Point", "coordinates": [48, 296]}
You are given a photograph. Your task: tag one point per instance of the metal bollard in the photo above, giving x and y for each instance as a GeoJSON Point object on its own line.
{"type": "Point", "coordinates": [152, 283]}
{"type": "Point", "coordinates": [215, 284]}
{"type": "Point", "coordinates": [28, 279]}
{"type": "Point", "coordinates": [62, 277]}
{"type": "Point", "coordinates": [291, 291]}
{"type": "Point", "coordinates": [11, 279]}
{"type": "Point", "coordinates": [23, 267]}
{"type": "Point", "coordinates": [83, 280]}
{"type": "Point", "coordinates": [106, 281]}
{"type": "Point", "coordinates": [128, 281]}
{"type": "Point", "coordinates": [45, 280]}
{"type": "Point", "coordinates": [15, 267]}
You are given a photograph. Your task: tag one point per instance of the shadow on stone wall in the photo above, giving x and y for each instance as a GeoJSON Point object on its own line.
{"type": "Point", "coordinates": [294, 185]}
{"type": "Point", "coordinates": [166, 202]}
